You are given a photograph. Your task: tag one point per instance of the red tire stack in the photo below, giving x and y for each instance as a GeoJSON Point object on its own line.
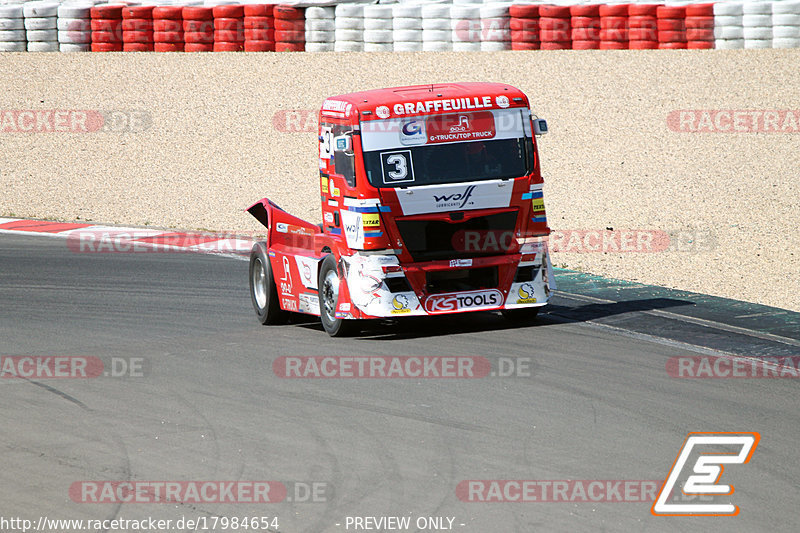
{"type": "Point", "coordinates": [228, 28]}
{"type": "Point", "coordinates": [168, 28]}
{"type": "Point", "coordinates": [614, 27]}
{"type": "Point", "coordinates": [554, 27]}
{"type": "Point", "coordinates": [137, 28]}
{"type": "Point", "coordinates": [585, 23]}
{"type": "Point", "coordinates": [259, 28]}
{"type": "Point", "coordinates": [106, 27]}
{"type": "Point", "coordinates": [642, 27]}
{"type": "Point", "coordinates": [290, 29]}
{"type": "Point", "coordinates": [700, 26]}
{"type": "Point", "coordinates": [671, 21]}
{"type": "Point", "coordinates": [524, 27]}
{"type": "Point", "coordinates": [198, 29]}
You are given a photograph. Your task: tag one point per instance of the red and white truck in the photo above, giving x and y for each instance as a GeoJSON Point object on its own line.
{"type": "Point", "coordinates": [431, 204]}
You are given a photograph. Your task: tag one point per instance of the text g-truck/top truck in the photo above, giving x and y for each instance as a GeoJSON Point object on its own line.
{"type": "Point", "coordinates": [431, 204]}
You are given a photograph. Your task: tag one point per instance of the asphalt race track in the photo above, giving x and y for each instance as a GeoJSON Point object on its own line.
{"type": "Point", "coordinates": [596, 404]}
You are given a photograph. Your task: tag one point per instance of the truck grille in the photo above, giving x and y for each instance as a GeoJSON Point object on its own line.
{"type": "Point", "coordinates": [433, 240]}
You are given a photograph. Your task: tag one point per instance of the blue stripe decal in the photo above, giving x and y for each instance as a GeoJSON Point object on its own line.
{"type": "Point", "coordinates": [539, 219]}
{"type": "Point", "coordinates": [538, 194]}
{"type": "Point", "coordinates": [335, 231]}
{"type": "Point", "coordinates": [372, 234]}
{"type": "Point", "coordinates": [527, 196]}
{"type": "Point", "coordinates": [370, 209]}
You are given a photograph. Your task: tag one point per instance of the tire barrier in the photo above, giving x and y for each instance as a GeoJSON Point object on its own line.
{"type": "Point", "coordinates": [390, 25]}
{"type": "Point", "coordinates": [41, 30]}
{"type": "Point", "coordinates": [168, 29]}
{"type": "Point", "coordinates": [259, 28]}
{"type": "Point", "coordinates": [757, 24]}
{"type": "Point", "coordinates": [786, 24]}
{"type": "Point", "coordinates": [642, 26]}
{"type": "Point", "coordinates": [197, 23]}
{"type": "Point", "coordinates": [407, 27]}
{"type": "Point", "coordinates": [106, 25]}
{"type": "Point", "coordinates": [321, 29]}
{"type": "Point", "coordinates": [12, 29]}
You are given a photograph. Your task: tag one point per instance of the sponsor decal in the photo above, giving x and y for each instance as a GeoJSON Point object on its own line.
{"type": "Point", "coordinates": [289, 304]}
{"type": "Point", "coordinates": [371, 220]}
{"type": "Point", "coordinates": [353, 230]}
{"type": "Point", "coordinates": [337, 107]}
{"type": "Point", "coordinates": [502, 101]}
{"type": "Point", "coordinates": [461, 127]}
{"type": "Point", "coordinates": [461, 263]}
{"type": "Point", "coordinates": [307, 267]}
{"type": "Point", "coordinates": [537, 204]}
{"type": "Point", "coordinates": [334, 190]}
{"type": "Point", "coordinates": [457, 200]}
{"type": "Point", "coordinates": [400, 305]}
{"type": "Point", "coordinates": [328, 216]}
{"type": "Point", "coordinates": [448, 104]}
{"type": "Point", "coordinates": [457, 301]}
{"type": "Point", "coordinates": [286, 280]}
{"type": "Point", "coordinates": [309, 303]}
{"type": "Point", "coordinates": [282, 227]}
{"type": "Point", "coordinates": [324, 185]}
{"type": "Point", "coordinates": [382, 111]}
{"type": "Point", "coordinates": [525, 294]}
{"type": "Point", "coordinates": [412, 132]}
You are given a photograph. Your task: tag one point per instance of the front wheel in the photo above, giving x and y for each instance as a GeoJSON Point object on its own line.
{"type": "Point", "coordinates": [328, 296]}
{"type": "Point", "coordinates": [262, 287]}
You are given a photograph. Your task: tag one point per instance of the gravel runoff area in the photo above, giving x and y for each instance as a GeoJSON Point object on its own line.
{"type": "Point", "coordinates": [212, 133]}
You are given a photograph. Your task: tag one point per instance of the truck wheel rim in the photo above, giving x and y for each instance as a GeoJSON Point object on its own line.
{"type": "Point", "coordinates": [260, 284]}
{"type": "Point", "coordinates": [330, 293]}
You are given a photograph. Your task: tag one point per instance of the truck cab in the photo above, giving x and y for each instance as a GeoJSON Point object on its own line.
{"type": "Point", "coordinates": [431, 201]}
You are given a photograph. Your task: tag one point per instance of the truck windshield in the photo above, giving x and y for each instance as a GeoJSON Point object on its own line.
{"type": "Point", "coordinates": [450, 148]}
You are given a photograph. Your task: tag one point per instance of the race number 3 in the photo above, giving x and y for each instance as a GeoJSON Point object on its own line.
{"type": "Point", "coordinates": [397, 167]}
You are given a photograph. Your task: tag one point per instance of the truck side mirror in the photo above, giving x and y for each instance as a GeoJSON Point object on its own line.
{"type": "Point", "coordinates": [343, 143]}
{"type": "Point", "coordinates": [539, 126]}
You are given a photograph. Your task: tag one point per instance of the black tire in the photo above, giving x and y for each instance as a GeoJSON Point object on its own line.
{"type": "Point", "coordinates": [263, 292]}
{"type": "Point", "coordinates": [328, 295]}
{"type": "Point", "coordinates": [524, 315]}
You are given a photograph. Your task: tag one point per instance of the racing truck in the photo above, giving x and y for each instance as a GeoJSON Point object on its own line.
{"type": "Point", "coordinates": [431, 202]}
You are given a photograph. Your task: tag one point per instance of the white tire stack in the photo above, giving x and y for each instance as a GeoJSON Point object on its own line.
{"type": "Point", "coordinates": [320, 29]}
{"type": "Point", "coordinates": [465, 22]}
{"type": "Point", "coordinates": [786, 24]}
{"type": "Point", "coordinates": [437, 32]}
{"type": "Point", "coordinates": [757, 24]}
{"type": "Point", "coordinates": [12, 29]}
{"type": "Point", "coordinates": [728, 30]}
{"type": "Point", "coordinates": [495, 27]}
{"type": "Point", "coordinates": [41, 26]}
{"type": "Point", "coordinates": [349, 32]}
{"type": "Point", "coordinates": [407, 27]}
{"type": "Point", "coordinates": [74, 27]}
{"type": "Point", "coordinates": [378, 28]}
